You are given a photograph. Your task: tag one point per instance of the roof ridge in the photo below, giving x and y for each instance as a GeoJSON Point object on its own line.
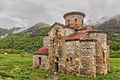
{"type": "Point", "coordinates": [55, 24]}
{"type": "Point", "coordinates": [77, 35]}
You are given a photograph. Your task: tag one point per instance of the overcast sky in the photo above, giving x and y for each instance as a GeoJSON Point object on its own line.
{"type": "Point", "coordinates": [26, 13]}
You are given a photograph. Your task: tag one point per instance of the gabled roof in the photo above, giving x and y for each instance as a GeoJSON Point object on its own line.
{"type": "Point", "coordinates": [89, 28]}
{"type": "Point", "coordinates": [79, 36]}
{"type": "Point", "coordinates": [76, 36]}
{"type": "Point", "coordinates": [42, 51]}
{"type": "Point", "coordinates": [82, 36]}
{"type": "Point", "coordinates": [62, 25]}
{"type": "Point", "coordinates": [66, 26]}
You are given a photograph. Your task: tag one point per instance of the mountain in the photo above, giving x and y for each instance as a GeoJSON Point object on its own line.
{"type": "Point", "coordinates": [28, 40]}
{"type": "Point", "coordinates": [38, 29]}
{"type": "Point", "coordinates": [107, 24]}
{"type": "Point", "coordinates": [4, 32]}
{"type": "Point", "coordinates": [98, 21]}
{"type": "Point", "coordinates": [35, 31]}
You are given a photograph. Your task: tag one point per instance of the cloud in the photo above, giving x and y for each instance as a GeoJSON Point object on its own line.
{"type": "Point", "coordinates": [26, 13]}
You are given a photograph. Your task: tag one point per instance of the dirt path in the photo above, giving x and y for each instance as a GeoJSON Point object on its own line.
{"type": "Point", "coordinates": [54, 77]}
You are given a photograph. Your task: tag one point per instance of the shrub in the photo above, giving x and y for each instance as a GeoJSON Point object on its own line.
{"type": "Point", "coordinates": [10, 51]}
{"type": "Point", "coordinates": [115, 54]}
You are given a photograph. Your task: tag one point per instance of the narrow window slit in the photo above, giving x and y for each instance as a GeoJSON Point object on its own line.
{"type": "Point", "coordinates": [70, 61]}
{"type": "Point", "coordinates": [39, 60]}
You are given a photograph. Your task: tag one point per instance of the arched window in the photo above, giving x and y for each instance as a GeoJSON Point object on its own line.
{"type": "Point", "coordinates": [70, 61]}
{"type": "Point", "coordinates": [82, 22]}
{"type": "Point", "coordinates": [53, 42]}
{"type": "Point", "coordinates": [76, 22]}
{"type": "Point", "coordinates": [56, 32]}
{"type": "Point", "coordinates": [57, 59]}
{"type": "Point", "coordinates": [67, 60]}
{"type": "Point", "coordinates": [39, 60]}
{"type": "Point", "coordinates": [68, 22]}
{"type": "Point", "coordinates": [103, 58]}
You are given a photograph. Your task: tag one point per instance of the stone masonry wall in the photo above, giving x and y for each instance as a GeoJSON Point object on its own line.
{"type": "Point", "coordinates": [77, 57]}
{"type": "Point", "coordinates": [45, 41]}
{"type": "Point", "coordinates": [87, 58]}
{"type": "Point", "coordinates": [70, 20]}
{"type": "Point", "coordinates": [55, 46]}
{"type": "Point", "coordinates": [85, 30]}
{"type": "Point", "coordinates": [101, 50]}
{"type": "Point", "coordinates": [52, 32]}
{"type": "Point", "coordinates": [82, 55]}
{"type": "Point", "coordinates": [69, 32]}
{"type": "Point", "coordinates": [71, 58]}
{"type": "Point", "coordinates": [44, 61]}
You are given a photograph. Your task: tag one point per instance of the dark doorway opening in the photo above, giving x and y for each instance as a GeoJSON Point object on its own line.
{"type": "Point", "coordinates": [56, 64]}
{"type": "Point", "coordinates": [57, 59]}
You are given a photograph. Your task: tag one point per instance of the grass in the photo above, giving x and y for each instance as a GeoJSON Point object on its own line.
{"type": "Point", "coordinates": [20, 67]}
{"type": "Point", "coordinates": [115, 55]}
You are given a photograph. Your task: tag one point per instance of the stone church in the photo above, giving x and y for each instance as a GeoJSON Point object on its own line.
{"type": "Point", "coordinates": [73, 48]}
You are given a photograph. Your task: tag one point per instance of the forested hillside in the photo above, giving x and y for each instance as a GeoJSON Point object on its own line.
{"type": "Point", "coordinates": [8, 31]}
{"type": "Point", "coordinates": [3, 31]}
{"type": "Point", "coordinates": [28, 40]}
{"type": "Point", "coordinates": [111, 26]}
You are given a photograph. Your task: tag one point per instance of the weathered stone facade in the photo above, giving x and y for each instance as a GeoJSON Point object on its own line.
{"type": "Point", "coordinates": [41, 61]}
{"type": "Point", "coordinates": [46, 41]}
{"type": "Point", "coordinates": [73, 48]}
{"type": "Point", "coordinates": [75, 20]}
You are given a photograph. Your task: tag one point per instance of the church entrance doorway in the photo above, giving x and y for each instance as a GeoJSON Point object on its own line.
{"type": "Point", "coordinates": [56, 64]}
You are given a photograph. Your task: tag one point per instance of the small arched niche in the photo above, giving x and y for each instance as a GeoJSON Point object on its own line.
{"type": "Point", "coordinates": [103, 58]}
{"type": "Point", "coordinates": [68, 22]}
{"type": "Point", "coordinates": [56, 32]}
{"type": "Point", "coordinates": [76, 21]}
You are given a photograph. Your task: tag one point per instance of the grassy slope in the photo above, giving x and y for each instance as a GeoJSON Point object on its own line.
{"type": "Point", "coordinates": [19, 67]}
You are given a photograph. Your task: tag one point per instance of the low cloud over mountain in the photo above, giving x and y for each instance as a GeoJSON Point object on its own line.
{"type": "Point", "coordinates": [26, 13]}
